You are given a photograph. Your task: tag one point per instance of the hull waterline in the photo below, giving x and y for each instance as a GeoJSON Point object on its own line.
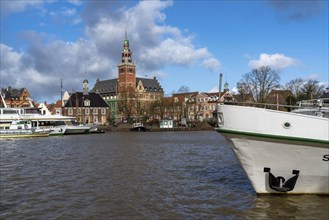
{"type": "Point", "coordinates": [281, 152]}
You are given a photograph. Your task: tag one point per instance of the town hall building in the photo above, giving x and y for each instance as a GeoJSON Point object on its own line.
{"type": "Point", "coordinates": [128, 96]}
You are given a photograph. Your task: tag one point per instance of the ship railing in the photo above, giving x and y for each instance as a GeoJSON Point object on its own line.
{"type": "Point", "coordinates": [311, 104]}
{"type": "Point", "coordinates": [279, 107]}
{"type": "Point", "coordinates": [314, 103]}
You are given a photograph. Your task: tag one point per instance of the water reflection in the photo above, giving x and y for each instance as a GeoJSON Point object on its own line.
{"type": "Point", "coordinates": [289, 207]}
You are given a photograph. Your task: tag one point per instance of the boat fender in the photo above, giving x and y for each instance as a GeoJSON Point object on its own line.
{"type": "Point", "coordinates": [279, 183]}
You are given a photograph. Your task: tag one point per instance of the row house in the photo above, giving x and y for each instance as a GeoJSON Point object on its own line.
{"type": "Point", "coordinates": [87, 107]}
{"type": "Point", "coordinates": [175, 107]}
{"type": "Point", "coordinates": [195, 106]}
{"type": "Point", "coordinates": [201, 106]}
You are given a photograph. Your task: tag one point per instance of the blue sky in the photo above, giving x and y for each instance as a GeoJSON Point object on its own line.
{"type": "Point", "coordinates": [180, 42]}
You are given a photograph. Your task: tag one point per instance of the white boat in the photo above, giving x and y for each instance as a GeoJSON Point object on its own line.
{"type": "Point", "coordinates": [138, 127]}
{"type": "Point", "coordinates": [281, 152]}
{"type": "Point", "coordinates": [77, 129]}
{"type": "Point", "coordinates": [19, 129]}
{"type": "Point", "coordinates": [55, 124]}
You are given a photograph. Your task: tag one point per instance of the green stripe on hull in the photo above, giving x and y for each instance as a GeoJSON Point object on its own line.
{"type": "Point", "coordinates": [225, 131]}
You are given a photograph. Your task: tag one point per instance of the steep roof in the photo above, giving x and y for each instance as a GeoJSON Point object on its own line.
{"type": "Point", "coordinates": [110, 85]}
{"type": "Point", "coordinates": [105, 86]}
{"type": "Point", "coordinates": [77, 100]}
{"type": "Point", "coordinates": [10, 93]}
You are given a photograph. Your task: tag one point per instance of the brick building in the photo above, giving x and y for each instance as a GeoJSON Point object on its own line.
{"type": "Point", "coordinates": [128, 96]}
{"type": "Point", "coordinates": [16, 98]}
{"type": "Point", "coordinates": [87, 107]}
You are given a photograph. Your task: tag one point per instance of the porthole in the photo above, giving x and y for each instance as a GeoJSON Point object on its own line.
{"type": "Point", "coordinates": [286, 125]}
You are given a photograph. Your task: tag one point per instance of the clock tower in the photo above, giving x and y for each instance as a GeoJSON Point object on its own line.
{"type": "Point", "coordinates": [126, 70]}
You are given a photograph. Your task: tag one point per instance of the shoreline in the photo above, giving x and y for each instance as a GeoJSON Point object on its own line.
{"type": "Point", "coordinates": [126, 127]}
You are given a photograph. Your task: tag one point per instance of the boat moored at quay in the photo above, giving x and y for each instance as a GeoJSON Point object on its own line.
{"type": "Point", "coordinates": [54, 124]}
{"type": "Point", "coordinates": [281, 152]}
{"type": "Point", "coordinates": [22, 129]}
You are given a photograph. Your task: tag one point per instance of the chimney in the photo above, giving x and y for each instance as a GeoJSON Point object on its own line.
{"type": "Point", "coordinates": [220, 85]}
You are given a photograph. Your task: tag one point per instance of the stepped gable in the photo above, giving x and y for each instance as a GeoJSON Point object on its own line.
{"type": "Point", "coordinates": [95, 100]}
{"type": "Point", "coordinates": [151, 85]}
{"type": "Point", "coordinates": [12, 93]}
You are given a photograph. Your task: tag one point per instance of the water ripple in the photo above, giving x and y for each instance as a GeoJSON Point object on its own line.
{"type": "Point", "coordinates": [170, 175]}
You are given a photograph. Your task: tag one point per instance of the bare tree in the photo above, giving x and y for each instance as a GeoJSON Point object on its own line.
{"type": "Point", "coordinates": [261, 81]}
{"type": "Point", "coordinates": [127, 103]}
{"type": "Point", "coordinates": [312, 89]}
{"type": "Point", "coordinates": [243, 89]}
{"type": "Point", "coordinates": [295, 86]}
{"type": "Point", "coordinates": [183, 89]}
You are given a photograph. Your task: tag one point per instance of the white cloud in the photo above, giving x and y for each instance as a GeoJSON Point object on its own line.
{"type": "Point", "coordinates": [275, 61]}
{"type": "Point", "coordinates": [75, 2]}
{"type": "Point", "coordinates": [45, 64]}
{"type": "Point", "coordinates": [313, 76]}
{"type": "Point", "coordinates": [214, 89]}
{"type": "Point", "coordinates": [154, 45]}
{"type": "Point", "coordinates": [212, 64]}
{"type": "Point", "coordinates": [8, 7]}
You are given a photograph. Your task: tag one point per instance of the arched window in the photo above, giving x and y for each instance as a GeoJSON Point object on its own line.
{"type": "Point", "coordinates": [87, 102]}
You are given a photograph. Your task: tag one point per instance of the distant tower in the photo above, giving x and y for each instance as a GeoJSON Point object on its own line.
{"type": "Point", "coordinates": [226, 87]}
{"type": "Point", "coordinates": [126, 69]}
{"type": "Point", "coordinates": [85, 87]}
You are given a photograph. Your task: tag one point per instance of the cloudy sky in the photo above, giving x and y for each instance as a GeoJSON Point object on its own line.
{"type": "Point", "coordinates": [180, 42]}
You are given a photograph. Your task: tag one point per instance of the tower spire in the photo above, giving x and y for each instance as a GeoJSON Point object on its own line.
{"type": "Point", "coordinates": [126, 33]}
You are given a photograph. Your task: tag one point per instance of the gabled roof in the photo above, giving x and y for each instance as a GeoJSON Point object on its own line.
{"type": "Point", "coordinates": [10, 93]}
{"type": "Point", "coordinates": [110, 85]}
{"type": "Point", "coordinates": [77, 100]}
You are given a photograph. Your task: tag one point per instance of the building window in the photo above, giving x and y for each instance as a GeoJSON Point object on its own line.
{"type": "Point", "coordinates": [79, 111]}
{"type": "Point", "coordinates": [87, 111]}
{"type": "Point", "coordinates": [95, 111]}
{"type": "Point", "coordinates": [70, 111]}
{"type": "Point", "coordinates": [103, 111]}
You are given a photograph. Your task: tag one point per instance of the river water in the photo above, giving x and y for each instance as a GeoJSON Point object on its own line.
{"type": "Point", "coordinates": [127, 175]}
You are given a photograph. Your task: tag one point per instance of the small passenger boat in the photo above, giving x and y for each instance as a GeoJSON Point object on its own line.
{"type": "Point", "coordinates": [96, 130]}
{"type": "Point", "coordinates": [21, 129]}
{"type": "Point", "coordinates": [138, 127]}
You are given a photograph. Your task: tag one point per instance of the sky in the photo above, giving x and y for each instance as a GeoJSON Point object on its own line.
{"type": "Point", "coordinates": [181, 43]}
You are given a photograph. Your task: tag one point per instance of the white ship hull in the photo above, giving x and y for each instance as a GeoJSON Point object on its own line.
{"type": "Point", "coordinates": [271, 152]}
{"type": "Point", "coordinates": [75, 129]}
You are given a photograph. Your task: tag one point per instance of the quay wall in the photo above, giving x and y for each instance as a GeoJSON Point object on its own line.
{"type": "Point", "coordinates": [126, 127]}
